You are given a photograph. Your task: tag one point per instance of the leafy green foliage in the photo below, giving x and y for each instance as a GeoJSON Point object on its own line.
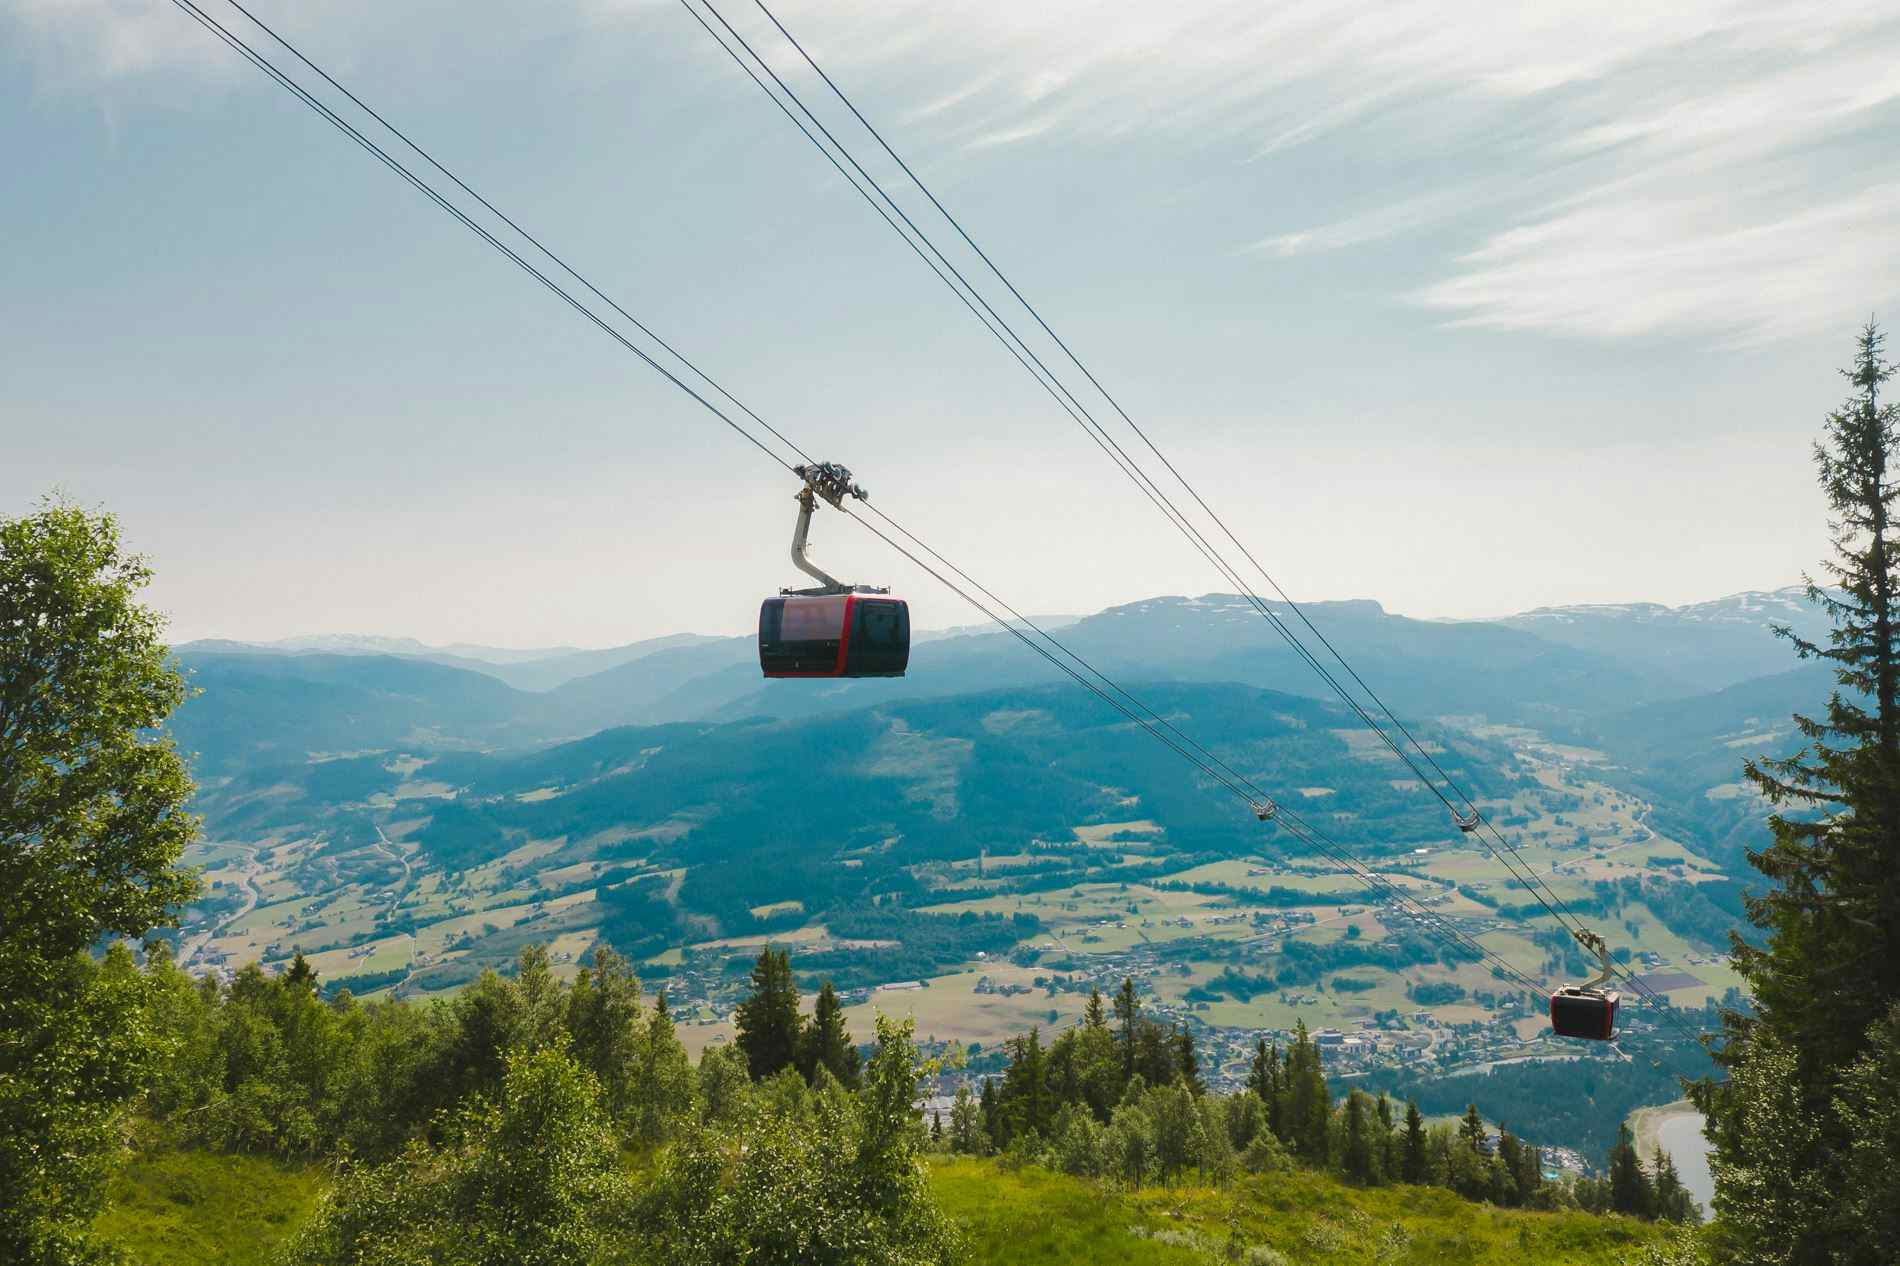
{"type": "Point", "coordinates": [532, 1178]}
{"type": "Point", "coordinates": [824, 1178]}
{"type": "Point", "coordinates": [92, 822]}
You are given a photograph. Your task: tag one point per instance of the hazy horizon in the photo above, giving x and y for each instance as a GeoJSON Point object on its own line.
{"type": "Point", "coordinates": [1041, 618]}
{"type": "Point", "coordinates": [1474, 312]}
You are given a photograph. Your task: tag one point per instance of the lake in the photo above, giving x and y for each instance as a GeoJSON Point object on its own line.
{"type": "Point", "coordinates": [1681, 1136]}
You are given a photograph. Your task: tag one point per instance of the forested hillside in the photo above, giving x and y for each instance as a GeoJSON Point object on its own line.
{"type": "Point", "coordinates": [552, 1122]}
{"type": "Point", "coordinates": [429, 927]}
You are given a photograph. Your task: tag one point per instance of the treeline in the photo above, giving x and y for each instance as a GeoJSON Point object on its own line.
{"type": "Point", "coordinates": [1580, 1101]}
{"type": "Point", "coordinates": [1124, 1101]}
{"type": "Point", "coordinates": [1301, 963]}
{"type": "Point", "coordinates": [1705, 912]}
{"type": "Point", "coordinates": [495, 1126]}
{"type": "Point", "coordinates": [1275, 897]}
{"type": "Point", "coordinates": [914, 945]}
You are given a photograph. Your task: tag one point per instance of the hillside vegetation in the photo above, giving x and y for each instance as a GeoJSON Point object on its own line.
{"type": "Point", "coordinates": [200, 1208]}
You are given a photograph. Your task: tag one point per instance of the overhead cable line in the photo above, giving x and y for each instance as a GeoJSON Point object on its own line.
{"type": "Point", "coordinates": [926, 250]}
{"type": "Point", "coordinates": [1006, 334]}
{"type": "Point", "coordinates": [1212, 766]}
{"type": "Point", "coordinates": [1243, 788]}
{"type": "Point", "coordinates": [1514, 864]}
{"type": "Point", "coordinates": [244, 50]}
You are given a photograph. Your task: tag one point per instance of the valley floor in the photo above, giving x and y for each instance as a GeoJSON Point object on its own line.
{"type": "Point", "coordinates": [193, 1208]}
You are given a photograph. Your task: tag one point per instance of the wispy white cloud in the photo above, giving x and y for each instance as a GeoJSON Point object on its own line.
{"type": "Point", "coordinates": [1640, 263]}
{"type": "Point", "coordinates": [1710, 167]}
{"type": "Point", "coordinates": [1391, 220]}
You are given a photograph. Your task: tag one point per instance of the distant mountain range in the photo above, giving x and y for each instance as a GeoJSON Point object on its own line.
{"type": "Point", "coordinates": [1676, 696]}
{"type": "Point", "coordinates": [524, 669]}
{"type": "Point", "coordinates": [1705, 645]}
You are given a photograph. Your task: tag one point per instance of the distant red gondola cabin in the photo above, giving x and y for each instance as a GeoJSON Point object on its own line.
{"type": "Point", "coordinates": [1587, 1013]}
{"type": "Point", "coordinates": [834, 635]}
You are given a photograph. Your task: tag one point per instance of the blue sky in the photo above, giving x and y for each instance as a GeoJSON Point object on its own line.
{"type": "Point", "coordinates": [1464, 309]}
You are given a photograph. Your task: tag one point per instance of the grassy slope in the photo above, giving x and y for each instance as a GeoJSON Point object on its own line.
{"type": "Point", "coordinates": [1036, 1217]}
{"type": "Point", "coordinates": [205, 1209]}
{"type": "Point", "coordinates": [187, 1208]}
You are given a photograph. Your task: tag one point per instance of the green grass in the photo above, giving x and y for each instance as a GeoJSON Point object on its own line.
{"type": "Point", "coordinates": [206, 1209]}
{"type": "Point", "coordinates": [1034, 1218]}
{"type": "Point", "coordinates": [186, 1208]}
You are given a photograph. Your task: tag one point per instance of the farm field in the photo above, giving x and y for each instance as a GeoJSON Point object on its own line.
{"type": "Point", "coordinates": [1227, 959]}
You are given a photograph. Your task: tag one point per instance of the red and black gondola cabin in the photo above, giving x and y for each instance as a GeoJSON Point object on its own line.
{"type": "Point", "coordinates": [1589, 1013]}
{"type": "Point", "coordinates": [834, 635]}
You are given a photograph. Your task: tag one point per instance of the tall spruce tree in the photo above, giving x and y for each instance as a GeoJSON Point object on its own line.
{"type": "Point", "coordinates": [770, 1028]}
{"type": "Point", "coordinates": [1026, 1101]}
{"type": "Point", "coordinates": [1388, 1144]}
{"type": "Point", "coordinates": [1187, 1063]}
{"type": "Point", "coordinates": [1472, 1131]}
{"type": "Point", "coordinates": [1260, 1075]}
{"type": "Point", "coordinates": [827, 1043]}
{"type": "Point", "coordinates": [1308, 1104]}
{"type": "Point", "coordinates": [1673, 1201]}
{"type": "Point", "coordinates": [1128, 1013]}
{"type": "Point", "coordinates": [1830, 967]}
{"type": "Point", "coordinates": [1630, 1190]}
{"type": "Point", "coordinates": [1413, 1162]}
{"type": "Point", "coordinates": [1356, 1157]}
{"type": "Point", "coordinates": [1832, 963]}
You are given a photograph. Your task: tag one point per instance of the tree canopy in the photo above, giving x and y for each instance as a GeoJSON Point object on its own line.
{"type": "Point", "coordinates": [92, 823]}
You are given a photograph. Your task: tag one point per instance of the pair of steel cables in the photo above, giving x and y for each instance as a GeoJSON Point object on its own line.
{"type": "Point", "coordinates": [1044, 644]}
{"type": "Point", "coordinates": [1406, 747]}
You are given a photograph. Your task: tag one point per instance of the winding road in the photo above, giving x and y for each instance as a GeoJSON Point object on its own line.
{"type": "Point", "coordinates": [247, 879]}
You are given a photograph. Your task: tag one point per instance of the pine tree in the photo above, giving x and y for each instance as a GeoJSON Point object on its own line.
{"type": "Point", "coordinates": [1413, 1164]}
{"type": "Point", "coordinates": [827, 1044]}
{"type": "Point", "coordinates": [1630, 1191]}
{"type": "Point", "coordinates": [1094, 1015]}
{"type": "Point", "coordinates": [1259, 1074]}
{"type": "Point", "coordinates": [1833, 963]}
{"type": "Point", "coordinates": [301, 974]}
{"type": "Point", "coordinates": [936, 1125]}
{"type": "Point", "coordinates": [1187, 1064]}
{"type": "Point", "coordinates": [1155, 1058]}
{"type": "Point", "coordinates": [1026, 1102]}
{"type": "Point", "coordinates": [995, 1125]}
{"type": "Point", "coordinates": [1357, 1157]}
{"type": "Point", "coordinates": [768, 1022]}
{"type": "Point", "coordinates": [1276, 1095]}
{"type": "Point", "coordinates": [1308, 1104]}
{"type": "Point", "coordinates": [1128, 1013]}
{"type": "Point", "coordinates": [1472, 1131]}
{"type": "Point", "coordinates": [1510, 1167]}
{"type": "Point", "coordinates": [1387, 1150]}
{"type": "Point", "coordinates": [1830, 966]}
{"type": "Point", "coordinates": [1530, 1170]}
{"type": "Point", "coordinates": [1673, 1201]}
